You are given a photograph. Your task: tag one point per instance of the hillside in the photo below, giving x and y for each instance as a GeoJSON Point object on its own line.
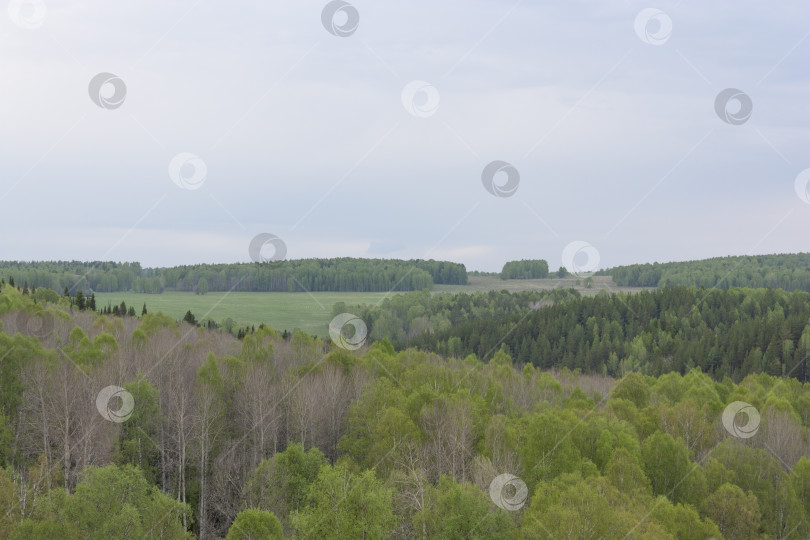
{"type": "Point", "coordinates": [790, 272]}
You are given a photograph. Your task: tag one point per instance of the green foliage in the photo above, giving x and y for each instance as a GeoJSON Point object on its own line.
{"type": "Point", "coordinates": [722, 333]}
{"type": "Point", "coordinates": [280, 483]}
{"type": "Point", "coordinates": [342, 504]}
{"type": "Point", "coordinates": [735, 512]}
{"type": "Point", "coordinates": [137, 443]}
{"type": "Point", "coordinates": [633, 388]}
{"type": "Point", "coordinates": [108, 503]}
{"type": "Point", "coordinates": [666, 463]}
{"type": "Point", "coordinates": [413, 438]}
{"type": "Point", "coordinates": [340, 274]}
{"type": "Point", "coordinates": [460, 511]}
{"type": "Point", "coordinates": [418, 317]}
{"type": "Point", "coordinates": [253, 524]}
{"type": "Point", "coordinates": [786, 271]}
{"type": "Point", "coordinates": [525, 269]}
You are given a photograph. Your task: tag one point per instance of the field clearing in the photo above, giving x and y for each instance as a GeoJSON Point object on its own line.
{"type": "Point", "coordinates": [312, 312]}
{"type": "Point", "coordinates": [280, 310]}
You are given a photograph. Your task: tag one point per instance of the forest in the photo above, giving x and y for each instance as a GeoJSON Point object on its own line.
{"type": "Point", "coordinates": [128, 427]}
{"type": "Point", "coordinates": [340, 274]}
{"type": "Point", "coordinates": [725, 333]}
{"type": "Point", "coordinates": [789, 271]}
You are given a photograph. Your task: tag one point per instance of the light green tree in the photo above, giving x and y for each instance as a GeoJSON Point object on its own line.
{"type": "Point", "coordinates": [345, 505]}
{"type": "Point", "coordinates": [735, 512]}
{"type": "Point", "coordinates": [462, 511]}
{"type": "Point", "coordinates": [109, 502]}
{"type": "Point", "coordinates": [255, 524]}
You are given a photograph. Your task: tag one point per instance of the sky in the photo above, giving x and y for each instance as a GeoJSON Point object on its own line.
{"type": "Point", "coordinates": [591, 134]}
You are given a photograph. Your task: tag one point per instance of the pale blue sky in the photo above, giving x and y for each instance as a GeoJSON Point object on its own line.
{"type": "Point", "coordinates": [305, 135]}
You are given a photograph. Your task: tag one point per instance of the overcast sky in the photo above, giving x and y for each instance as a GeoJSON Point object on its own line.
{"type": "Point", "coordinates": [606, 113]}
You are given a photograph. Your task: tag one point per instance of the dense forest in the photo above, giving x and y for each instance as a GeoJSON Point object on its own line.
{"type": "Point", "coordinates": [788, 271]}
{"type": "Point", "coordinates": [341, 274]}
{"type": "Point", "coordinates": [732, 333]}
{"type": "Point", "coordinates": [114, 427]}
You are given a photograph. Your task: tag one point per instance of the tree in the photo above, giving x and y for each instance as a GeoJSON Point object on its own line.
{"type": "Point", "coordinates": [634, 388]}
{"type": "Point", "coordinates": [345, 505]}
{"type": "Point", "coordinates": [281, 483]}
{"type": "Point", "coordinates": [108, 501]}
{"type": "Point", "coordinates": [626, 474]}
{"type": "Point", "coordinates": [190, 318]}
{"type": "Point", "coordinates": [253, 524]}
{"type": "Point", "coordinates": [666, 464]}
{"type": "Point", "coordinates": [462, 511]}
{"type": "Point", "coordinates": [570, 507]}
{"type": "Point", "coordinates": [683, 521]}
{"type": "Point", "coordinates": [202, 286]}
{"type": "Point", "coordinates": [137, 442]}
{"type": "Point", "coordinates": [735, 512]}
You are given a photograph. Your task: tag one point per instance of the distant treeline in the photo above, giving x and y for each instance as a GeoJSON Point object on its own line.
{"type": "Point", "coordinates": [789, 271]}
{"type": "Point", "coordinates": [523, 269]}
{"type": "Point", "coordinates": [732, 333]}
{"type": "Point", "coordinates": [342, 274]}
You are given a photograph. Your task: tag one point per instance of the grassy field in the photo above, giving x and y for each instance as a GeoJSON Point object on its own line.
{"type": "Point", "coordinates": [281, 310]}
{"type": "Point", "coordinates": [312, 312]}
